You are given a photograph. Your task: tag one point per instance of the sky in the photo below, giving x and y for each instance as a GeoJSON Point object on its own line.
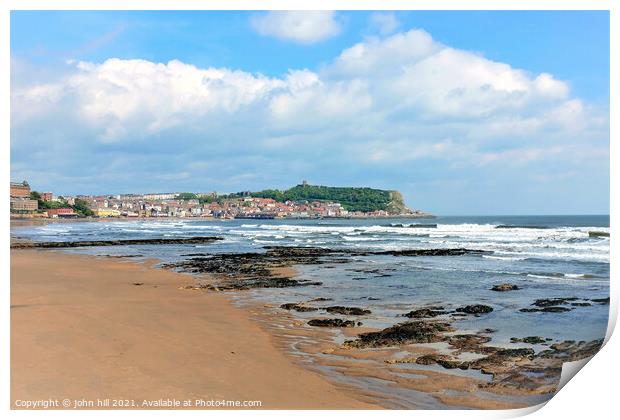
{"type": "Point", "coordinates": [464, 112]}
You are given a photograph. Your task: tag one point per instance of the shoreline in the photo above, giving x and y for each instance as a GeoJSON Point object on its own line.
{"type": "Point", "coordinates": [321, 350]}
{"type": "Point", "coordinates": [89, 328]}
{"type": "Point", "coordinates": [293, 348]}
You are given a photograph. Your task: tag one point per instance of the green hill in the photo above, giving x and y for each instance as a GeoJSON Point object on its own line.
{"type": "Point", "coordinates": [351, 198]}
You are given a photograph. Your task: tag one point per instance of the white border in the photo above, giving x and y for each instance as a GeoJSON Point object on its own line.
{"type": "Point", "coordinates": [592, 395]}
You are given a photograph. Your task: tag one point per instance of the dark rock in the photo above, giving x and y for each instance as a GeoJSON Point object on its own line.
{"type": "Point", "coordinates": [602, 301]}
{"type": "Point", "coordinates": [580, 304]}
{"type": "Point", "coordinates": [571, 350]}
{"type": "Point", "coordinates": [501, 360]}
{"type": "Point", "coordinates": [252, 264]}
{"type": "Point", "coordinates": [443, 360]}
{"type": "Point", "coordinates": [529, 340]}
{"type": "Point", "coordinates": [344, 310]}
{"type": "Point", "coordinates": [426, 312]}
{"type": "Point", "coordinates": [475, 309]}
{"type": "Point", "coordinates": [406, 333]}
{"type": "Point", "coordinates": [414, 226]}
{"type": "Point", "coordinates": [510, 353]}
{"type": "Point", "coordinates": [468, 342]}
{"type": "Point", "coordinates": [335, 322]}
{"type": "Point", "coordinates": [547, 309]}
{"type": "Point", "coordinates": [430, 252]}
{"type": "Point", "coordinates": [453, 364]}
{"type": "Point", "coordinates": [553, 301]}
{"type": "Point", "coordinates": [504, 287]}
{"type": "Point", "coordinates": [297, 307]}
{"type": "Point", "coordinates": [430, 359]}
{"type": "Point", "coordinates": [264, 282]}
{"type": "Point", "coordinates": [598, 234]}
{"type": "Point", "coordinates": [521, 369]}
{"type": "Point", "coordinates": [119, 242]}
{"type": "Point", "coordinates": [137, 284]}
{"type": "Point", "coordinates": [124, 256]}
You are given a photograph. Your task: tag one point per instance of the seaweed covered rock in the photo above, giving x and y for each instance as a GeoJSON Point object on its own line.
{"type": "Point", "coordinates": [333, 322]}
{"type": "Point", "coordinates": [534, 339]}
{"type": "Point", "coordinates": [571, 350]}
{"type": "Point", "coordinates": [120, 242]}
{"type": "Point", "coordinates": [346, 310]}
{"type": "Point", "coordinates": [406, 333]}
{"type": "Point", "coordinates": [468, 342]}
{"type": "Point", "coordinates": [261, 282]}
{"type": "Point", "coordinates": [430, 312]}
{"type": "Point", "coordinates": [297, 307]}
{"type": "Point", "coordinates": [475, 309]}
{"type": "Point", "coordinates": [504, 287]}
{"type": "Point", "coordinates": [602, 301]}
{"type": "Point", "coordinates": [542, 303]}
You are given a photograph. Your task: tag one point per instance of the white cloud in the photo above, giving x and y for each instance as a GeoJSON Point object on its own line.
{"type": "Point", "coordinates": [403, 83]}
{"type": "Point", "coordinates": [437, 80]}
{"type": "Point", "coordinates": [384, 23]}
{"type": "Point", "coordinates": [381, 56]}
{"type": "Point", "coordinates": [390, 106]}
{"type": "Point", "coordinates": [305, 27]}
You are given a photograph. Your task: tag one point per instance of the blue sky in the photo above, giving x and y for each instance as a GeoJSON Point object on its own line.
{"type": "Point", "coordinates": [464, 112]}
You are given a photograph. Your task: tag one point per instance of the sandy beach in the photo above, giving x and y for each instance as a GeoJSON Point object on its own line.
{"type": "Point", "coordinates": [89, 328]}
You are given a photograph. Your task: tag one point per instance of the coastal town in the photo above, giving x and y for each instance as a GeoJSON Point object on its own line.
{"type": "Point", "coordinates": [28, 203]}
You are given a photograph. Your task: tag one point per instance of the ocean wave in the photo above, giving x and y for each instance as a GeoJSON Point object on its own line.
{"type": "Point", "coordinates": [580, 276]}
{"type": "Point", "coordinates": [497, 257]}
{"type": "Point", "coordinates": [553, 276]}
{"type": "Point", "coordinates": [361, 239]}
{"type": "Point", "coordinates": [521, 227]}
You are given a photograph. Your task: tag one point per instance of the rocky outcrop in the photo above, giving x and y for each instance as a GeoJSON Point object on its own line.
{"type": "Point", "coordinates": [406, 333]}
{"type": "Point", "coordinates": [333, 322]}
{"type": "Point", "coordinates": [570, 350]}
{"type": "Point", "coordinates": [297, 307]}
{"type": "Point", "coordinates": [430, 312]}
{"type": "Point", "coordinates": [504, 287]}
{"type": "Point", "coordinates": [344, 310]}
{"type": "Point", "coordinates": [430, 252]}
{"type": "Point", "coordinates": [468, 342]}
{"type": "Point", "coordinates": [534, 339]}
{"type": "Point", "coordinates": [542, 303]}
{"type": "Point", "coordinates": [554, 309]}
{"type": "Point", "coordinates": [598, 234]}
{"type": "Point", "coordinates": [475, 309]}
{"type": "Point", "coordinates": [120, 242]}
{"type": "Point", "coordinates": [554, 305]}
{"type": "Point", "coordinates": [241, 271]}
{"type": "Point", "coordinates": [601, 301]}
{"type": "Point", "coordinates": [396, 205]}
{"type": "Point", "coordinates": [260, 283]}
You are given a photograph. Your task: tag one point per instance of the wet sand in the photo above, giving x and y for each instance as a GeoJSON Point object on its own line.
{"type": "Point", "coordinates": [92, 328]}
{"type": "Point", "coordinates": [394, 386]}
